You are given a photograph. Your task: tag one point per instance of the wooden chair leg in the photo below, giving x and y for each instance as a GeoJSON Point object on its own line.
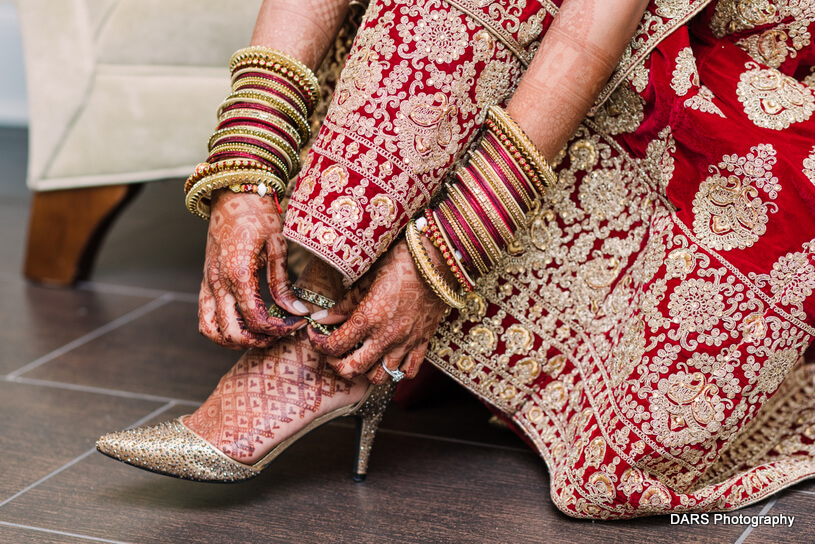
{"type": "Point", "coordinates": [66, 228]}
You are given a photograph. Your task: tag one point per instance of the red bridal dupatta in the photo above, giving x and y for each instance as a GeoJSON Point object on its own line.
{"type": "Point", "coordinates": [649, 341]}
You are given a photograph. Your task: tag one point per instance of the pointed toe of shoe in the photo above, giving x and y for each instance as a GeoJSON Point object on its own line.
{"type": "Point", "coordinates": [172, 449]}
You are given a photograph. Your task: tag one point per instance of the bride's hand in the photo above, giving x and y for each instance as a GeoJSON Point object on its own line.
{"type": "Point", "coordinates": [391, 312]}
{"type": "Point", "coordinates": [245, 236]}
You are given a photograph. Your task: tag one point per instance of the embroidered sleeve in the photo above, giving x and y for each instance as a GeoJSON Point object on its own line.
{"type": "Point", "coordinates": [408, 103]}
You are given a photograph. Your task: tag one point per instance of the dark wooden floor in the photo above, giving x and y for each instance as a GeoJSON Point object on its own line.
{"type": "Point", "coordinates": [123, 350]}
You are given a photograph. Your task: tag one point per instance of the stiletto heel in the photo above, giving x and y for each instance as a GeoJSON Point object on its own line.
{"type": "Point", "coordinates": [172, 449]}
{"type": "Point", "coordinates": [369, 415]}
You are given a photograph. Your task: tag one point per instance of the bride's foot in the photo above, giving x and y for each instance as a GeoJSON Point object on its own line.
{"type": "Point", "coordinates": [269, 395]}
{"type": "Point", "coordinates": [267, 401]}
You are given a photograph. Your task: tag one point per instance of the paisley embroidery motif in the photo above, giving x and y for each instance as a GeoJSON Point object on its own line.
{"type": "Point", "coordinates": [790, 34]}
{"type": "Point", "coordinates": [728, 211]}
{"type": "Point", "coordinates": [731, 16]}
{"type": "Point", "coordinates": [427, 132]}
{"type": "Point", "coordinates": [773, 100]}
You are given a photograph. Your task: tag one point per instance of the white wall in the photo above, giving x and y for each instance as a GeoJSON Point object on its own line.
{"type": "Point", "coordinates": [13, 105]}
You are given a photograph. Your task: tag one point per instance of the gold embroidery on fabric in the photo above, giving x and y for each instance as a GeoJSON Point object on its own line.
{"type": "Point", "coordinates": [731, 16]}
{"type": "Point", "coordinates": [622, 113]}
{"type": "Point", "coordinates": [703, 101]}
{"type": "Point", "coordinates": [502, 20]}
{"type": "Point", "coordinates": [773, 100]}
{"type": "Point", "coordinates": [387, 127]}
{"type": "Point", "coordinates": [809, 166]}
{"type": "Point", "coordinates": [653, 28]}
{"type": "Point", "coordinates": [685, 77]}
{"type": "Point", "coordinates": [614, 360]}
{"type": "Point", "coordinates": [427, 133]}
{"type": "Point", "coordinates": [685, 74]}
{"type": "Point", "coordinates": [728, 211]}
{"type": "Point", "coordinates": [774, 45]}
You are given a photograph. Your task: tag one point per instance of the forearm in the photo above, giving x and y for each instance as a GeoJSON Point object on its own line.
{"type": "Point", "coordinates": [573, 63]}
{"type": "Point", "coordinates": [304, 29]}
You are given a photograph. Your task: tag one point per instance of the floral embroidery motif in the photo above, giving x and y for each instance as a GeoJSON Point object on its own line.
{"type": "Point", "coordinates": [441, 36]}
{"type": "Point", "coordinates": [728, 211]}
{"type": "Point", "coordinates": [622, 113]}
{"type": "Point", "coordinates": [792, 279]}
{"type": "Point", "coordinates": [773, 100]}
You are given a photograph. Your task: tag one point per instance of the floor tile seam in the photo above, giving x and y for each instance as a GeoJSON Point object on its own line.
{"type": "Point", "coordinates": [409, 434]}
{"type": "Point", "coordinates": [84, 455]}
{"type": "Point", "coordinates": [764, 511]}
{"type": "Point", "coordinates": [100, 391]}
{"type": "Point", "coordinates": [130, 290]}
{"type": "Point", "coordinates": [61, 533]}
{"type": "Point", "coordinates": [120, 321]}
{"type": "Point", "coordinates": [802, 491]}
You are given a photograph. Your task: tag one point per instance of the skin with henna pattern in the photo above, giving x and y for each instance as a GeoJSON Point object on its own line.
{"type": "Point", "coordinates": [398, 314]}
{"type": "Point", "coordinates": [391, 311]}
{"type": "Point", "coordinates": [272, 393]}
{"type": "Point", "coordinates": [269, 395]}
{"type": "Point", "coordinates": [245, 233]}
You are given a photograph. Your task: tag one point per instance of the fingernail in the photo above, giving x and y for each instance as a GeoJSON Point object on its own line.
{"type": "Point", "coordinates": [322, 314]}
{"type": "Point", "coordinates": [291, 320]}
{"type": "Point", "coordinates": [300, 307]}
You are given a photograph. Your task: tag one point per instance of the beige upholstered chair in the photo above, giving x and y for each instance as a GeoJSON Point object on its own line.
{"type": "Point", "coordinates": [120, 92]}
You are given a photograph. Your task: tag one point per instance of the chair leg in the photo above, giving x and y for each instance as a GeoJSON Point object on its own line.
{"type": "Point", "coordinates": [66, 229]}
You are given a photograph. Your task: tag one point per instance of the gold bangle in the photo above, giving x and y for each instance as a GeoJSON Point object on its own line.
{"type": "Point", "coordinates": [278, 61]}
{"type": "Point", "coordinates": [427, 270]}
{"type": "Point", "coordinates": [525, 187]}
{"type": "Point", "coordinates": [282, 89]}
{"type": "Point", "coordinates": [255, 150]}
{"type": "Point", "coordinates": [205, 169]}
{"type": "Point", "coordinates": [466, 178]}
{"type": "Point", "coordinates": [197, 199]}
{"type": "Point", "coordinates": [481, 232]}
{"type": "Point", "coordinates": [268, 138]}
{"type": "Point", "coordinates": [471, 250]}
{"type": "Point", "coordinates": [502, 192]}
{"type": "Point", "coordinates": [523, 144]}
{"type": "Point", "coordinates": [315, 298]}
{"type": "Point", "coordinates": [483, 166]}
{"type": "Point", "coordinates": [265, 118]}
{"type": "Point", "coordinates": [299, 122]}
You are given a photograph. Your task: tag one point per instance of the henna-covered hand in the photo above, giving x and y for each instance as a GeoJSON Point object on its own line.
{"type": "Point", "coordinates": [391, 311]}
{"type": "Point", "coordinates": [245, 235]}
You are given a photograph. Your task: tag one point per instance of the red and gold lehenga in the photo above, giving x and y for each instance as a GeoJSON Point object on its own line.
{"type": "Point", "coordinates": [649, 341]}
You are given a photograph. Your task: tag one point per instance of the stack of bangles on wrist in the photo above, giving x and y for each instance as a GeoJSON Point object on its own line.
{"type": "Point", "coordinates": [486, 204]}
{"type": "Point", "coordinates": [261, 127]}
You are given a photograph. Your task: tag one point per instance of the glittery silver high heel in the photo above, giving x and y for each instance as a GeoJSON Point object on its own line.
{"type": "Point", "coordinates": [172, 449]}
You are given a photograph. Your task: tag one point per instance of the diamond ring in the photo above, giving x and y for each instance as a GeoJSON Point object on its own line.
{"type": "Point", "coordinates": [396, 375]}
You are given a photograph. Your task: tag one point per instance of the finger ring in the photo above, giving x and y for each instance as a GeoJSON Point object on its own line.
{"type": "Point", "coordinates": [396, 375]}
